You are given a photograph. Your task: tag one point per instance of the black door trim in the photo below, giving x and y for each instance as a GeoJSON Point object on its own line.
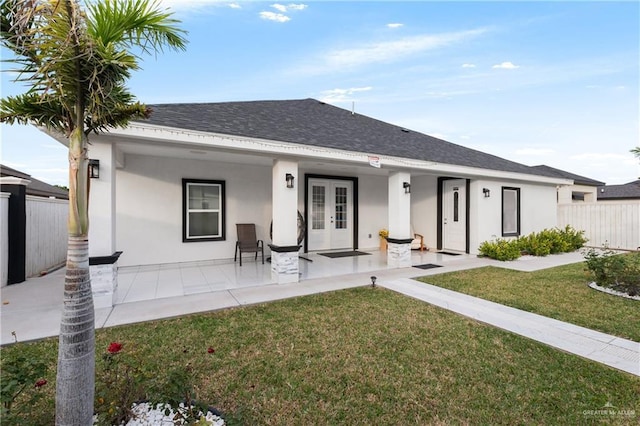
{"type": "Point", "coordinates": [354, 181]}
{"type": "Point", "coordinates": [467, 211]}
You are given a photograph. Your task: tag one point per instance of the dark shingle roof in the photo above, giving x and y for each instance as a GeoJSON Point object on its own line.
{"type": "Point", "coordinates": [36, 187]}
{"type": "Point", "coordinates": [577, 179]}
{"type": "Point", "coordinates": [311, 122]}
{"type": "Point", "coordinates": [628, 191]}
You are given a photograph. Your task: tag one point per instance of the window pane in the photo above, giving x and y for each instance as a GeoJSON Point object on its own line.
{"type": "Point", "coordinates": [204, 197]}
{"type": "Point", "coordinates": [509, 211]}
{"type": "Point", "coordinates": [455, 206]}
{"type": "Point", "coordinates": [317, 207]}
{"type": "Point", "coordinates": [341, 208]}
{"type": "Point", "coordinates": [204, 224]}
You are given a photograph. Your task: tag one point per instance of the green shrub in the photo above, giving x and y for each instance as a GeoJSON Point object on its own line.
{"type": "Point", "coordinates": [534, 245]}
{"type": "Point", "coordinates": [573, 237]}
{"type": "Point", "coordinates": [543, 243]}
{"type": "Point", "coordinates": [500, 249]}
{"type": "Point", "coordinates": [619, 272]}
{"type": "Point", "coordinates": [552, 241]}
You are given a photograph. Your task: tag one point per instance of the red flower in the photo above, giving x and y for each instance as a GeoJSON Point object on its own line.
{"type": "Point", "coordinates": [211, 350]}
{"type": "Point", "coordinates": [114, 348]}
{"type": "Point", "coordinates": [40, 383]}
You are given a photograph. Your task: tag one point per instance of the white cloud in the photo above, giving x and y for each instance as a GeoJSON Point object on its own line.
{"type": "Point", "coordinates": [468, 65]}
{"type": "Point", "coordinates": [279, 7]}
{"type": "Point", "coordinates": [600, 157]}
{"type": "Point", "coordinates": [386, 51]}
{"type": "Point", "coordinates": [286, 8]}
{"type": "Point", "coordinates": [281, 17]}
{"type": "Point", "coordinates": [272, 16]}
{"type": "Point", "coordinates": [537, 152]}
{"type": "Point", "coordinates": [395, 25]}
{"type": "Point", "coordinates": [341, 95]}
{"type": "Point", "coordinates": [506, 66]}
{"type": "Point", "coordinates": [294, 6]}
{"type": "Point", "coordinates": [235, 6]}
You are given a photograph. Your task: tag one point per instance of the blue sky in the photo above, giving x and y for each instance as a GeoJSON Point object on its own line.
{"type": "Point", "coordinates": [552, 83]}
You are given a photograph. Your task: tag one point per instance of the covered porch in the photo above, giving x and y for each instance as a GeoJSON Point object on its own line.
{"type": "Point", "coordinates": [31, 310]}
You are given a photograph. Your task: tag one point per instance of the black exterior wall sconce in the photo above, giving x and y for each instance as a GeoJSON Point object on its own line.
{"type": "Point", "coordinates": [290, 180]}
{"type": "Point", "coordinates": [94, 169]}
{"type": "Point", "coordinates": [373, 281]}
{"type": "Point", "coordinates": [486, 192]}
{"type": "Point", "coordinates": [407, 187]}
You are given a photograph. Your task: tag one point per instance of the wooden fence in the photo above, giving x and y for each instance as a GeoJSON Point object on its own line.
{"type": "Point", "coordinates": [46, 241]}
{"type": "Point", "coordinates": [615, 224]}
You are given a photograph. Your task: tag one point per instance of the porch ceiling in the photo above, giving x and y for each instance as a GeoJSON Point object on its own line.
{"type": "Point", "coordinates": [205, 153]}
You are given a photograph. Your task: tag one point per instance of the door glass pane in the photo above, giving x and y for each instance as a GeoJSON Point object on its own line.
{"type": "Point", "coordinates": [455, 206]}
{"type": "Point", "coordinates": [341, 208]}
{"type": "Point", "coordinates": [317, 207]}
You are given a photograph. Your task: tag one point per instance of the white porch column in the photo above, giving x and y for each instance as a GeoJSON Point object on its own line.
{"type": "Point", "coordinates": [399, 240]}
{"type": "Point", "coordinates": [284, 247]}
{"type": "Point", "coordinates": [102, 227]}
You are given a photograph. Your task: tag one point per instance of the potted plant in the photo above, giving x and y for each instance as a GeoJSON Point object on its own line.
{"type": "Point", "coordinates": [384, 234]}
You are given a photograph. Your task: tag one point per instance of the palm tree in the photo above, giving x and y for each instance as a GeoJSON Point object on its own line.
{"type": "Point", "coordinates": [76, 64]}
{"type": "Point", "coordinates": [636, 151]}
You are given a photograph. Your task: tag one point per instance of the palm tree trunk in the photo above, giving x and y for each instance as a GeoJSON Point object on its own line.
{"type": "Point", "coordinates": [76, 356]}
{"type": "Point", "coordinates": [75, 385]}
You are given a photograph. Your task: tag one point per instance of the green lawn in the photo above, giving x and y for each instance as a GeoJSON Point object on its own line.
{"type": "Point", "coordinates": [359, 357]}
{"type": "Point", "coordinates": [561, 293]}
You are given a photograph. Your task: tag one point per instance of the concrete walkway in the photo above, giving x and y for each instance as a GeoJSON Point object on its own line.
{"type": "Point", "coordinates": [610, 350]}
{"type": "Point", "coordinates": [33, 308]}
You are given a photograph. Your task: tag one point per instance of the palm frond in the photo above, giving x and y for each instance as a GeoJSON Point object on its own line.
{"type": "Point", "coordinates": [77, 64]}
{"type": "Point", "coordinates": [31, 108]}
{"type": "Point", "coordinates": [136, 23]}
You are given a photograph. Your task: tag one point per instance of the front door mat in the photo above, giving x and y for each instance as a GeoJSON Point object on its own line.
{"type": "Point", "coordinates": [427, 266]}
{"type": "Point", "coordinates": [450, 253]}
{"type": "Point", "coordinates": [343, 254]}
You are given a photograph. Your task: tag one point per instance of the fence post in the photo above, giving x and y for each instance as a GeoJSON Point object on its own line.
{"type": "Point", "coordinates": [17, 232]}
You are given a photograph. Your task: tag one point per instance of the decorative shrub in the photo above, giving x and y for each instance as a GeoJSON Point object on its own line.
{"type": "Point", "coordinates": [500, 249]}
{"type": "Point", "coordinates": [120, 381]}
{"type": "Point", "coordinates": [543, 243]}
{"type": "Point", "coordinates": [620, 272]}
{"type": "Point", "coordinates": [573, 237]}
{"type": "Point", "coordinates": [535, 244]}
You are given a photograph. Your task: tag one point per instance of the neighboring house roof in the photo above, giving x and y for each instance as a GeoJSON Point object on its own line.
{"type": "Point", "coordinates": [36, 187]}
{"type": "Point", "coordinates": [628, 191]}
{"type": "Point", "coordinates": [315, 123]}
{"type": "Point", "coordinates": [577, 179]}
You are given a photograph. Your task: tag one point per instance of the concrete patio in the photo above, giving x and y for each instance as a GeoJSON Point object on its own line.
{"type": "Point", "coordinates": [31, 310]}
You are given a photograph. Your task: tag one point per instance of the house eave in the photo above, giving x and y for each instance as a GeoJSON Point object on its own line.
{"type": "Point", "coordinates": [265, 147]}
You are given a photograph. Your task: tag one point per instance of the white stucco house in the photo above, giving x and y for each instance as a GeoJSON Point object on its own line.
{"type": "Point", "coordinates": [173, 187]}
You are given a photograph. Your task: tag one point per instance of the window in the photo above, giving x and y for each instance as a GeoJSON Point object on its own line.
{"type": "Point", "coordinates": [203, 210]}
{"type": "Point", "coordinates": [510, 211]}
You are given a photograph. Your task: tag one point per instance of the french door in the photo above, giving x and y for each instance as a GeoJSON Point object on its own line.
{"type": "Point", "coordinates": [330, 214]}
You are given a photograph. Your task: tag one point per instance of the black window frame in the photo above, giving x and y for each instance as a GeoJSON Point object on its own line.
{"type": "Point", "coordinates": [518, 212]}
{"type": "Point", "coordinates": [185, 204]}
